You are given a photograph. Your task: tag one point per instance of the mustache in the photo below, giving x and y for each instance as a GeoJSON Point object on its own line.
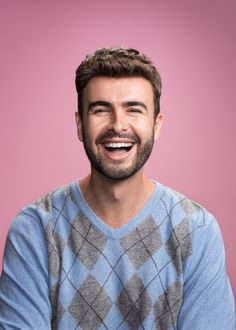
{"type": "Point", "coordinates": [109, 135]}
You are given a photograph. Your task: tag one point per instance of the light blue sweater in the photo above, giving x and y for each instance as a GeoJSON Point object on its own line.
{"type": "Point", "coordinates": [65, 269]}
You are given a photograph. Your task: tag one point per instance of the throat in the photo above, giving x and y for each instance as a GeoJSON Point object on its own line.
{"type": "Point", "coordinates": [116, 204]}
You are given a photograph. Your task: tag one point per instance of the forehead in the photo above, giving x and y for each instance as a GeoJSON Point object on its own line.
{"type": "Point", "coordinates": [118, 90]}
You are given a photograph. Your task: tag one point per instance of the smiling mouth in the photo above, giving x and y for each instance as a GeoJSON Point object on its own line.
{"type": "Point", "coordinates": [118, 146]}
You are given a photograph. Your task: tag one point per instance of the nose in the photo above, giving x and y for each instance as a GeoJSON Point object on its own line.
{"type": "Point", "coordinates": [118, 122]}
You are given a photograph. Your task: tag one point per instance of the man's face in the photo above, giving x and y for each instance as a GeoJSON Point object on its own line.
{"type": "Point", "coordinates": [118, 127]}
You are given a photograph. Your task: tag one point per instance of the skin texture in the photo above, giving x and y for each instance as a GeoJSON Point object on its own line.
{"type": "Point", "coordinates": [117, 110]}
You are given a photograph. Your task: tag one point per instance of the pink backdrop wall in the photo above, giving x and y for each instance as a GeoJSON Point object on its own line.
{"type": "Point", "coordinates": [192, 43]}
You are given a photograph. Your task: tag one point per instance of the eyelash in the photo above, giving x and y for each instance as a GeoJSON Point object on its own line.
{"type": "Point", "coordinates": [100, 110]}
{"type": "Point", "coordinates": [134, 110]}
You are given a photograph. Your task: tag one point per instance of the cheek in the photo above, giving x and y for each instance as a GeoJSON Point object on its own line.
{"type": "Point", "coordinates": [97, 126]}
{"type": "Point", "coordinates": [144, 128]}
{"type": "Point", "coordinates": [93, 130]}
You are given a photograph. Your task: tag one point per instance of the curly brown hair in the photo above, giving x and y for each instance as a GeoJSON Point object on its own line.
{"type": "Point", "coordinates": [117, 62]}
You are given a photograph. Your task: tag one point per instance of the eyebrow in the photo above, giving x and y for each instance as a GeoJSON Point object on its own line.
{"type": "Point", "coordinates": [134, 103]}
{"type": "Point", "coordinates": [109, 105]}
{"type": "Point", "coordinates": [99, 103]}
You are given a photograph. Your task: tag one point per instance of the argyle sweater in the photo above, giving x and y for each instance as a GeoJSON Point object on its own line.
{"type": "Point", "coordinates": [66, 269]}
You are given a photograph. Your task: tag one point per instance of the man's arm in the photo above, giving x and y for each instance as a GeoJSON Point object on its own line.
{"type": "Point", "coordinates": [208, 298]}
{"type": "Point", "coordinates": [24, 287]}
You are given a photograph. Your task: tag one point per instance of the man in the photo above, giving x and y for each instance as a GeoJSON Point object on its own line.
{"type": "Point", "coordinates": [116, 250]}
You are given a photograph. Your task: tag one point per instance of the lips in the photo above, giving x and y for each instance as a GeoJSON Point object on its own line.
{"type": "Point", "coordinates": [117, 147]}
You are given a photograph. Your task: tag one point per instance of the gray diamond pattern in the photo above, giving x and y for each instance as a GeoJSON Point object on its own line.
{"type": "Point", "coordinates": [56, 245]}
{"type": "Point", "coordinates": [189, 207]}
{"type": "Point", "coordinates": [90, 305]}
{"type": "Point", "coordinates": [134, 302]}
{"type": "Point", "coordinates": [142, 242]}
{"type": "Point", "coordinates": [179, 245]}
{"type": "Point", "coordinates": [85, 241]}
{"type": "Point", "coordinates": [167, 307]}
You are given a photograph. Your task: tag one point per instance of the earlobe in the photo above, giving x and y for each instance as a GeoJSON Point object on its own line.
{"type": "Point", "coordinates": [79, 126]}
{"type": "Point", "coordinates": [157, 126]}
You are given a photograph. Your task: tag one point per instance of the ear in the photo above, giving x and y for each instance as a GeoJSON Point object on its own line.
{"type": "Point", "coordinates": [157, 126]}
{"type": "Point", "coordinates": [79, 126]}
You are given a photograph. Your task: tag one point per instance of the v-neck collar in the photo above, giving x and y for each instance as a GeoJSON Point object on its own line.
{"type": "Point", "coordinates": [115, 233]}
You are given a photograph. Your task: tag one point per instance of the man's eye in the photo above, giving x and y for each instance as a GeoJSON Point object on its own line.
{"type": "Point", "coordinates": [135, 110]}
{"type": "Point", "coordinates": [100, 110]}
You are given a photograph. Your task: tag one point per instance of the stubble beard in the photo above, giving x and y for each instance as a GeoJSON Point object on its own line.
{"type": "Point", "coordinates": [118, 171]}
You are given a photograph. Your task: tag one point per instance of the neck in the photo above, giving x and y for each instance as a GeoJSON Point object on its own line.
{"type": "Point", "coordinates": [116, 202]}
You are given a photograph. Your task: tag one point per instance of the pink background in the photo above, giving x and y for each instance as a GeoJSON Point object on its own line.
{"type": "Point", "coordinates": [193, 45]}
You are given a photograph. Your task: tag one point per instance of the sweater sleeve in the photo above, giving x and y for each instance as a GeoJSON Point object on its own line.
{"type": "Point", "coordinates": [208, 299]}
{"type": "Point", "coordinates": [24, 289]}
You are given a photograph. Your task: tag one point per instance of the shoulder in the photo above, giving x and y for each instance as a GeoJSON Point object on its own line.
{"type": "Point", "coordinates": [180, 208]}
{"type": "Point", "coordinates": [40, 225]}
{"type": "Point", "coordinates": [188, 227]}
{"type": "Point", "coordinates": [44, 209]}
{"type": "Point", "coordinates": [190, 233]}
{"type": "Point", "coordinates": [55, 198]}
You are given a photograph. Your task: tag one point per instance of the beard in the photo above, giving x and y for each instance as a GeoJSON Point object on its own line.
{"type": "Point", "coordinates": [118, 171]}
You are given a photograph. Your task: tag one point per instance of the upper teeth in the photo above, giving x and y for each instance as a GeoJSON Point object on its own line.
{"type": "Point", "coordinates": [118, 145]}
